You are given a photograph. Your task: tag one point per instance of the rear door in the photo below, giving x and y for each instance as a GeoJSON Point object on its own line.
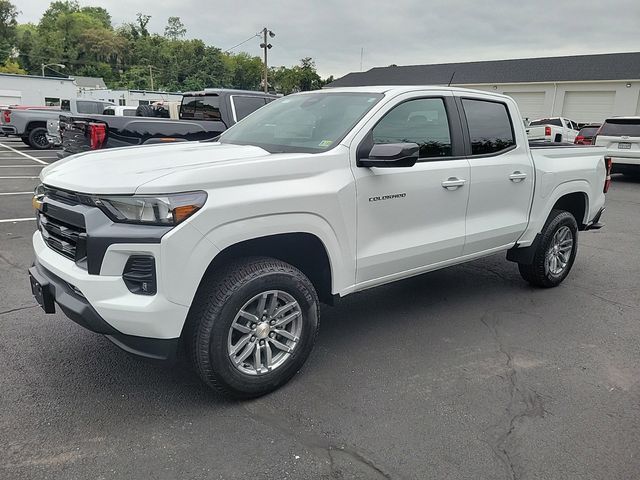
{"type": "Point", "coordinates": [412, 217]}
{"type": "Point", "coordinates": [502, 175]}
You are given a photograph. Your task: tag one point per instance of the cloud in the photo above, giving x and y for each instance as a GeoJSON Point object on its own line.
{"type": "Point", "coordinates": [398, 32]}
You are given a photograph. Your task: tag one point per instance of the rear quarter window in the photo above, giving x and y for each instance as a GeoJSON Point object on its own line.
{"type": "Point", "coordinates": [245, 106]}
{"type": "Point", "coordinates": [490, 127]}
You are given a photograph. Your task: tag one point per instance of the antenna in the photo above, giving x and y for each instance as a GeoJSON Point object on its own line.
{"type": "Point", "coordinates": [451, 79]}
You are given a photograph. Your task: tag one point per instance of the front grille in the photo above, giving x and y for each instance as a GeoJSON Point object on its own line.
{"type": "Point", "coordinates": [61, 237]}
{"type": "Point", "coordinates": [69, 198]}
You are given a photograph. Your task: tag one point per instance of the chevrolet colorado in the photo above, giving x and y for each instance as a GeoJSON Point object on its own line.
{"type": "Point", "coordinates": [228, 247]}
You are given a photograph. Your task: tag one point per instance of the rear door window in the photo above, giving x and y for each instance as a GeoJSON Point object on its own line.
{"type": "Point", "coordinates": [244, 106]}
{"type": "Point", "coordinates": [490, 128]}
{"type": "Point", "coordinates": [618, 127]}
{"type": "Point", "coordinates": [201, 107]}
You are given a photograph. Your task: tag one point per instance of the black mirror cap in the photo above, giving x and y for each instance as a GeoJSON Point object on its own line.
{"type": "Point", "coordinates": [391, 155]}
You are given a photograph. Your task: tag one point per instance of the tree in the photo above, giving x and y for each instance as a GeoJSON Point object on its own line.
{"type": "Point", "coordinates": [143, 21]}
{"type": "Point", "coordinates": [8, 24]}
{"type": "Point", "coordinates": [11, 67]}
{"type": "Point", "coordinates": [175, 29]}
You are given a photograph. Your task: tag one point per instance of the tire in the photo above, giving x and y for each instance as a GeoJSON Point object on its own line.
{"type": "Point", "coordinates": [38, 138]}
{"type": "Point", "coordinates": [559, 227]}
{"type": "Point", "coordinates": [558, 138]}
{"type": "Point", "coordinates": [211, 335]}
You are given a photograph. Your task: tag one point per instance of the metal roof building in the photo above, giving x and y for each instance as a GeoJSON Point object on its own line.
{"type": "Point", "coordinates": [585, 88]}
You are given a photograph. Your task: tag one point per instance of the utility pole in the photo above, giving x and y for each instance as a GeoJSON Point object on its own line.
{"type": "Point", "coordinates": [361, 55]}
{"type": "Point", "coordinates": [266, 46]}
{"type": "Point", "coordinates": [151, 76]}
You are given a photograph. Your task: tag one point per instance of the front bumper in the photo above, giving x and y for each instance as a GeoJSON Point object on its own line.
{"type": "Point", "coordinates": [50, 290]}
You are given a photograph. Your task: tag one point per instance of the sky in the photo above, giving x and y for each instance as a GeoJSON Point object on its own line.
{"type": "Point", "coordinates": [402, 32]}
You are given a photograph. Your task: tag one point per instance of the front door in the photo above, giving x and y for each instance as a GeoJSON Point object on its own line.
{"type": "Point", "coordinates": [412, 217]}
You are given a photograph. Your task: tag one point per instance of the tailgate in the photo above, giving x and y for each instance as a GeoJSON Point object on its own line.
{"type": "Point", "coordinates": [73, 132]}
{"type": "Point", "coordinates": [535, 132]}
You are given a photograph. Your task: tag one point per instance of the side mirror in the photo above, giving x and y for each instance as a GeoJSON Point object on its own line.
{"type": "Point", "coordinates": [391, 155]}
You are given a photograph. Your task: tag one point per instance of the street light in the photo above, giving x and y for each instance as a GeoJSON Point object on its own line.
{"type": "Point", "coordinates": [266, 46]}
{"type": "Point", "coordinates": [44, 65]}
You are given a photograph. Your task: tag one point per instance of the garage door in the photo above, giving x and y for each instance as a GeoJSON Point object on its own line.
{"type": "Point", "coordinates": [588, 106]}
{"type": "Point", "coordinates": [531, 104]}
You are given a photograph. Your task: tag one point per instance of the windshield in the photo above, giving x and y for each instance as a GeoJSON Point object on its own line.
{"type": "Point", "coordinates": [310, 123]}
{"type": "Point", "coordinates": [546, 121]}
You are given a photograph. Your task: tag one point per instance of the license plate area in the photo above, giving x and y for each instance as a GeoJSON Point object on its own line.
{"type": "Point", "coordinates": [624, 145]}
{"type": "Point", "coordinates": [42, 292]}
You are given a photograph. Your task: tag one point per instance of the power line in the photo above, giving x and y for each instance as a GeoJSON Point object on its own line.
{"type": "Point", "coordinates": [243, 42]}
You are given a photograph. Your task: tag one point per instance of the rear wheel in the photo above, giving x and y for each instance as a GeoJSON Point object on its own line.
{"type": "Point", "coordinates": [252, 326]}
{"type": "Point", "coordinates": [38, 138]}
{"type": "Point", "coordinates": [555, 253]}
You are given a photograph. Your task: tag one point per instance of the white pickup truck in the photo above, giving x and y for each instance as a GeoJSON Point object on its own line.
{"type": "Point", "coordinates": [556, 129]}
{"type": "Point", "coordinates": [228, 247]}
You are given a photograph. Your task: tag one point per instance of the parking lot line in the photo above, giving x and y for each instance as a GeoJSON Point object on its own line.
{"type": "Point", "coordinates": [11, 220]}
{"type": "Point", "coordinates": [15, 193]}
{"type": "Point", "coordinates": [15, 176]}
{"type": "Point", "coordinates": [23, 154]}
{"type": "Point", "coordinates": [21, 166]}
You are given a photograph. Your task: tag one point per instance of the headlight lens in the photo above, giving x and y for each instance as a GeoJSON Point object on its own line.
{"type": "Point", "coordinates": [151, 210]}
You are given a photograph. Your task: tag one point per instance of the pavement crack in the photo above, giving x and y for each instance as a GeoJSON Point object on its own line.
{"type": "Point", "coordinates": [11, 263]}
{"type": "Point", "coordinates": [320, 445]}
{"type": "Point", "coordinates": [523, 402]}
{"type": "Point", "coordinates": [17, 309]}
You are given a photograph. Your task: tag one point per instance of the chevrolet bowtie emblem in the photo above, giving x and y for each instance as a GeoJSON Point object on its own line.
{"type": "Point", "coordinates": [37, 202]}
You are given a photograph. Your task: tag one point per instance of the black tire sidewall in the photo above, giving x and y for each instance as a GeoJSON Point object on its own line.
{"type": "Point", "coordinates": [218, 363]}
{"type": "Point", "coordinates": [32, 136]}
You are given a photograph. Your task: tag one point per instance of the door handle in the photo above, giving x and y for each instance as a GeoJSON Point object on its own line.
{"type": "Point", "coordinates": [453, 183]}
{"type": "Point", "coordinates": [517, 176]}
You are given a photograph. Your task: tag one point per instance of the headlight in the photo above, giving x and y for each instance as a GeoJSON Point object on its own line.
{"type": "Point", "coordinates": [151, 210]}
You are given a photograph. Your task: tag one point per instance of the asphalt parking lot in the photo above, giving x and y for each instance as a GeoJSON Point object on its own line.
{"type": "Point", "coordinates": [464, 373]}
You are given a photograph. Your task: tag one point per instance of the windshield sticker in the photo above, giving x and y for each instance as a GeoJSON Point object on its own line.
{"type": "Point", "coordinates": [325, 143]}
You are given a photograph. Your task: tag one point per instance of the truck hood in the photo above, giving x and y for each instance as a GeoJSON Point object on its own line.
{"type": "Point", "coordinates": [125, 170]}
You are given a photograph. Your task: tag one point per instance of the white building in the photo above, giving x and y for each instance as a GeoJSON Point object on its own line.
{"type": "Point", "coordinates": [584, 88]}
{"type": "Point", "coordinates": [36, 91]}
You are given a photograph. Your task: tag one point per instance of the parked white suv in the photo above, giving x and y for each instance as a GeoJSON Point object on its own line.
{"type": "Point", "coordinates": [621, 137]}
{"type": "Point", "coordinates": [555, 129]}
{"type": "Point", "coordinates": [229, 246]}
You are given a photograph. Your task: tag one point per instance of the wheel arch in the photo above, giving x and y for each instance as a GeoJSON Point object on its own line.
{"type": "Point", "coordinates": [35, 124]}
{"type": "Point", "coordinates": [303, 250]}
{"type": "Point", "coordinates": [576, 203]}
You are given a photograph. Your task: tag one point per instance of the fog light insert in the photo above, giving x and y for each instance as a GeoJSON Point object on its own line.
{"type": "Point", "coordinates": [139, 275]}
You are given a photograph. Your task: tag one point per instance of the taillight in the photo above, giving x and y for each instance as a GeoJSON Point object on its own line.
{"type": "Point", "coordinates": [6, 116]}
{"type": "Point", "coordinates": [579, 140]}
{"type": "Point", "coordinates": [547, 131]}
{"type": "Point", "coordinates": [97, 135]}
{"type": "Point", "coordinates": [607, 181]}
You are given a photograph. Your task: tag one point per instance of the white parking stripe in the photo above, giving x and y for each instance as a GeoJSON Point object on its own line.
{"type": "Point", "coordinates": [15, 193]}
{"type": "Point", "coordinates": [21, 166]}
{"type": "Point", "coordinates": [10, 220]}
{"type": "Point", "coordinates": [10, 177]}
{"type": "Point", "coordinates": [23, 154]}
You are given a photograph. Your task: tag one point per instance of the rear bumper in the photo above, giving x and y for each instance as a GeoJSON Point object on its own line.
{"type": "Point", "coordinates": [9, 130]}
{"type": "Point", "coordinates": [52, 290]}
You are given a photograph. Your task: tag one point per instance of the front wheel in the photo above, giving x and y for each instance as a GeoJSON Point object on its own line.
{"type": "Point", "coordinates": [252, 326]}
{"type": "Point", "coordinates": [555, 253]}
